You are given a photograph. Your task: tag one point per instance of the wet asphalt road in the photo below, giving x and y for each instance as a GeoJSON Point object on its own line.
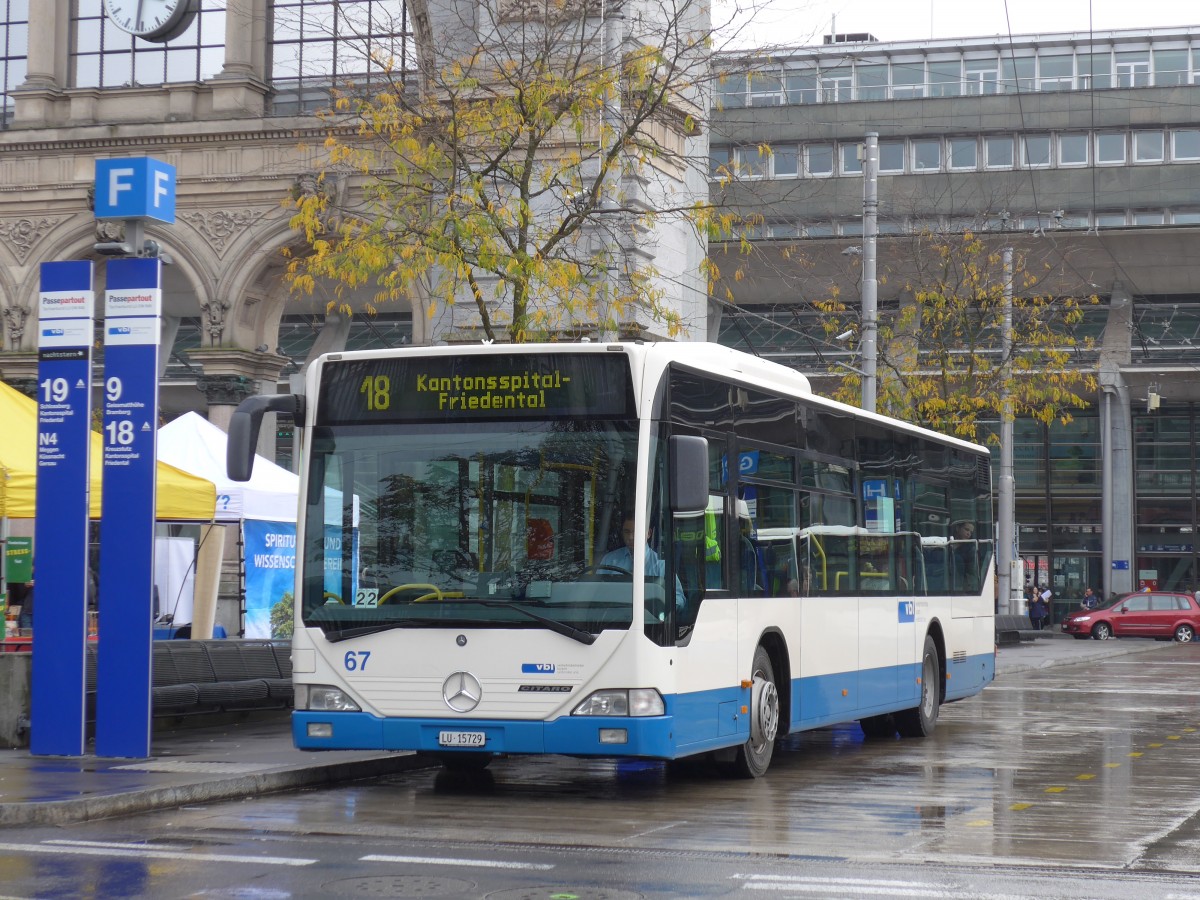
{"type": "Point", "coordinates": [1070, 782]}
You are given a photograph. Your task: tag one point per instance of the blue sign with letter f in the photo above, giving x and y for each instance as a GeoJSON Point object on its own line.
{"type": "Point", "coordinates": [139, 188]}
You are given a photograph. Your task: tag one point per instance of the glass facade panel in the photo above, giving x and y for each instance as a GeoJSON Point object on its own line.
{"type": "Point", "coordinates": [317, 47]}
{"type": "Point", "coordinates": [1095, 70]}
{"type": "Point", "coordinates": [1017, 74]}
{"type": "Point", "coordinates": [1148, 146]}
{"type": "Point", "coordinates": [964, 153]}
{"type": "Point", "coordinates": [851, 163]}
{"type": "Point", "coordinates": [1133, 68]}
{"type": "Point", "coordinates": [891, 156]}
{"type": "Point", "coordinates": [103, 56]}
{"type": "Point", "coordinates": [14, 48]}
{"type": "Point", "coordinates": [1110, 148]}
{"type": "Point", "coordinates": [871, 82]}
{"type": "Point", "coordinates": [926, 155]}
{"type": "Point", "coordinates": [999, 152]}
{"type": "Point", "coordinates": [801, 86]}
{"type": "Point", "coordinates": [1185, 144]}
{"type": "Point", "coordinates": [908, 80]}
{"type": "Point", "coordinates": [819, 159]}
{"type": "Point", "coordinates": [981, 76]}
{"type": "Point", "coordinates": [1170, 67]}
{"type": "Point", "coordinates": [1072, 149]}
{"type": "Point", "coordinates": [945, 79]}
{"type": "Point", "coordinates": [1035, 149]}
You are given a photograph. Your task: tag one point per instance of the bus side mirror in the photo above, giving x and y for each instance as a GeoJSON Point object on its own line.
{"type": "Point", "coordinates": [689, 474]}
{"type": "Point", "coordinates": [244, 426]}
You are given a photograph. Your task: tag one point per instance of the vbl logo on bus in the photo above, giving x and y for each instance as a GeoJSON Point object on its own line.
{"type": "Point", "coordinates": [537, 668]}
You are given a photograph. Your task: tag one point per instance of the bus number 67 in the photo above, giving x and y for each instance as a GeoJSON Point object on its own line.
{"type": "Point", "coordinates": [356, 660]}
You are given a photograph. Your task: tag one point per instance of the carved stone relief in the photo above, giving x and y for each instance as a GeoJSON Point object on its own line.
{"type": "Point", "coordinates": [22, 234]}
{"type": "Point", "coordinates": [14, 322]}
{"type": "Point", "coordinates": [213, 315]}
{"type": "Point", "coordinates": [220, 226]}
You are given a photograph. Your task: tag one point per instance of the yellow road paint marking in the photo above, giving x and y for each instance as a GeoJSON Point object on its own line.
{"type": "Point", "coordinates": [1087, 776]}
{"type": "Point", "coordinates": [1112, 765]}
{"type": "Point", "coordinates": [1188, 730]}
{"type": "Point", "coordinates": [1057, 789]}
{"type": "Point", "coordinates": [1136, 753]}
{"type": "Point", "coordinates": [1154, 746]}
{"type": "Point", "coordinates": [1020, 807]}
{"type": "Point", "coordinates": [979, 823]}
{"type": "Point", "coordinates": [1172, 737]}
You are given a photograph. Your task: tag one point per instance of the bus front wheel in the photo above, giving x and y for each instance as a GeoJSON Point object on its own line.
{"type": "Point", "coordinates": [754, 757]}
{"type": "Point", "coordinates": [922, 719]}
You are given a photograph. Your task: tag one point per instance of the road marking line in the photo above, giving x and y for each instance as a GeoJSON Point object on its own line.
{"type": "Point", "coordinates": [1086, 776]}
{"type": "Point", "coordinates": [443, 861]}
{"type": "Point", "coordinates": [1172, 737]}
{"type": "Point", "coordinates": [1055, 790]}
{"type": "Point", "coordinates": [1154, 746]}
{"type": "Point", "coordinates": [1020, 807]}
{"type": "Point", "coordinates": [877, 882]}
{"type": "Point", "coordinates": [1136, 753]}
{"type": "Point", "coordinates": [148, 853]}
{"type": "Point", "coordinates": [1112, 765]}
{"type": "Point", "coordinates": [979, 823]}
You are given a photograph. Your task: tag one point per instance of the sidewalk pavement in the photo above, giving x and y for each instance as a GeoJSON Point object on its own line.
{"type": "Point", "coordinates": [234, 761]}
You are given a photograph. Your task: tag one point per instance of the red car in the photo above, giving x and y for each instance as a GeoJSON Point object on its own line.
{"type": "Point", "coordinates": [1158, 614]}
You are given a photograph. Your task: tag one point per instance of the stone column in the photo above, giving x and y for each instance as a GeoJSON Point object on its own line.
{"type": "Point", "coordinates": [241, 88]}
{"type": "Point", "coordinates": [46, 62]}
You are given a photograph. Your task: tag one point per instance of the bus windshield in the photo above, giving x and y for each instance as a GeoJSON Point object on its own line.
{"type": "Point", "coordinates": [453, 524]}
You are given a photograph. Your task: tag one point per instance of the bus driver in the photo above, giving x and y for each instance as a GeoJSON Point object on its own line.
{"type": "Point", "coordinates": [622, 558]}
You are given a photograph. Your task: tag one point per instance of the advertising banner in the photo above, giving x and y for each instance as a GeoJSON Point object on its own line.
{"type": "Point", "coordinates": [270, 549]}
{"type": "Point", "coordinates": [65, 325]}
{"type": "Point", "coordinates": [132, 307]}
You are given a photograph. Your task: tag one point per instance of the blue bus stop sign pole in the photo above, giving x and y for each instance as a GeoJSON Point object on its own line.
{"type": "Point", "coordinates": [65, 324]}
{"type": "Point", "coordinates": [132, 312]}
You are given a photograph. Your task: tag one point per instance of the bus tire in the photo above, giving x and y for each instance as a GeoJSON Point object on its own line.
{"type": "Point", "coordinates": [921, 720]}
{"type": "Point", "coordinates": [753, 758]}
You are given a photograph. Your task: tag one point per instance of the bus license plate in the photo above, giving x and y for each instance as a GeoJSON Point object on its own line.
{"type": "Point", "coordinates": [462, 738]}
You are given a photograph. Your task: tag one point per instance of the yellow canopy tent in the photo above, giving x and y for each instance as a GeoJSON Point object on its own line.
{"type": "Point", "coordinates": [180, 497]}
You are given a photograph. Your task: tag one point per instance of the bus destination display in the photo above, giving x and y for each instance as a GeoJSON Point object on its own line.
{"type": "Point", "coordinates": [474, 387]}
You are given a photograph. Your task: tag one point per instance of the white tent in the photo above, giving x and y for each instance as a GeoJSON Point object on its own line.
{"type": "Point", "coordinates": [194, 444]}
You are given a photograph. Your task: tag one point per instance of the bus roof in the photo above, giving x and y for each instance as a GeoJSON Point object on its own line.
{"type": "Point", "coordinates": [655, 356]}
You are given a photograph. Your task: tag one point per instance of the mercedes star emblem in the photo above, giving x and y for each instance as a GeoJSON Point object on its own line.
{"type": "Point", "coordinates": [462, 692]}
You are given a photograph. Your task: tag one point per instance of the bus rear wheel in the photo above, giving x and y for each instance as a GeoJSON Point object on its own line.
{"type": "Point", "coordinates": [921, 720]}
{"type": "Point", "coordinates": [754, 757]}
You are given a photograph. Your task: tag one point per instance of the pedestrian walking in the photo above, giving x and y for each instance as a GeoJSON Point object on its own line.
{"type": "Point", "coordinates": [1040, 610]}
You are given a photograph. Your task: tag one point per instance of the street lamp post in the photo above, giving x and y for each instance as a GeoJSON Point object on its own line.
{"type": "Point", "coordinates": [870, 286]}
{"type": "Point", "coordinates": [1006, 540]}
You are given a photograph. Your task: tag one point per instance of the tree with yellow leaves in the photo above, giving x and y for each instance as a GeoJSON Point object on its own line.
{"type": "Point", "coordinates": [529, 165]}
{"type": "Point", "coordinates": [941, 358]}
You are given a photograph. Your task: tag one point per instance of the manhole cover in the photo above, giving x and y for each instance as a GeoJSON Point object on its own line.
{"type": "Point", "coordinates": [564, 893]}
{"type": "Point", "coordinates": [400, 886]}
{"type": "Point", "coordinates": [188, 768]}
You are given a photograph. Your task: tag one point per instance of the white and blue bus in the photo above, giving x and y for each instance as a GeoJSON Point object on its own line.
{"type": "Point", "coordinates": [468, 519]}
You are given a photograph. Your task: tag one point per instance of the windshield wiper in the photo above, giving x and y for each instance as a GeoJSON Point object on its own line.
{"type": "Point", "coordinates": [575, 634]}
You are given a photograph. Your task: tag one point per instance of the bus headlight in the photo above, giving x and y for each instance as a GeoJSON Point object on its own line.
{"type": "Point", "coordinates": [324, 698]}
{"type": "Point", "coordinates": [620, 702]}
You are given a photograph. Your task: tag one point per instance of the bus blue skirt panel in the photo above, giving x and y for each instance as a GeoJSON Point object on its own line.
{"type": "Point", "coordinates": [571, 735]}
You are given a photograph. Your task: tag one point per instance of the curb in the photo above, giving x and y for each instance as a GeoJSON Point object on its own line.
{"type": "Point", "coordinates": [86, 809]}
{"type": "Point", "coordinates": [1142, 646]}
